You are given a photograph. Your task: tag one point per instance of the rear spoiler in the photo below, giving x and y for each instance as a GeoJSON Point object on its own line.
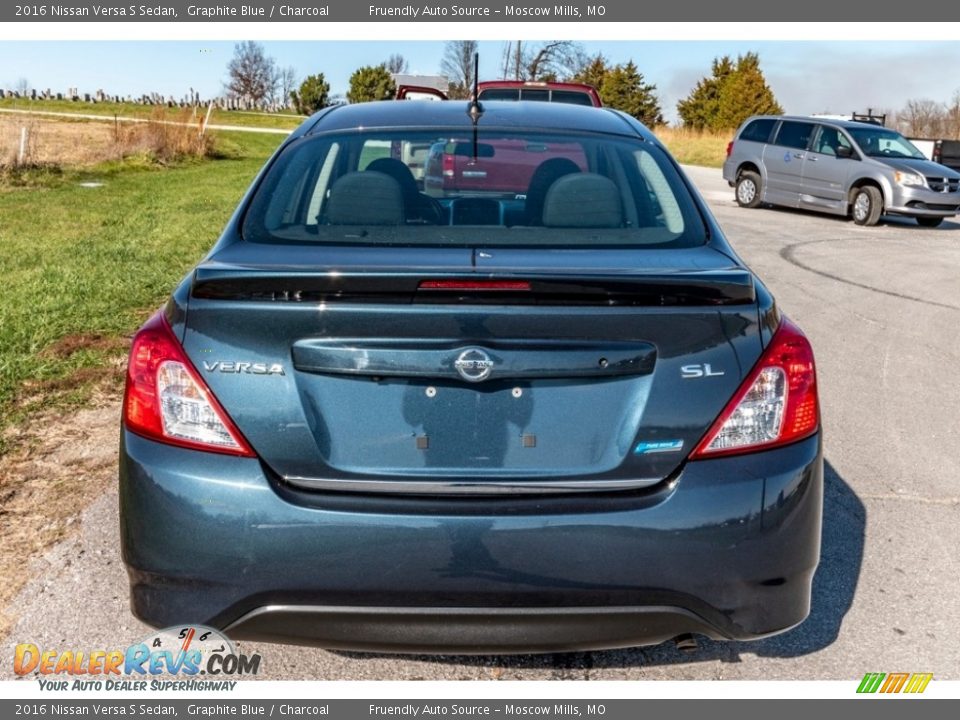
{"type": "Point", "coordinates": [703, 288]}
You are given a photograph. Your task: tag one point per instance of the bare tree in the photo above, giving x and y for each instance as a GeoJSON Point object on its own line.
{"type": "Point", "coordinates": [22, 87]}
{"type": "Point", "coordinates": [287, 83]}
{"type": "Point", "coordinates": [396, 64]}
{"type": "Point", "coordinates": [923, 118]}
{"type": "Point", "coordinates": [552, 60]}
{"type": "Point", "coordinates": [555, 59]}
{"type": "Point", "coordinates": [952, 119]}
{"type": "Point", "coordinates": [506, 60]}
{"type": "Point", "coordinates": [251, 74]}
{"type": "Point", "coordinates": [457, 65]}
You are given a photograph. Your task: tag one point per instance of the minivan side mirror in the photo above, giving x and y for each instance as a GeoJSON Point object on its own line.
{"type": "Point", "coordinates": [845, 152]}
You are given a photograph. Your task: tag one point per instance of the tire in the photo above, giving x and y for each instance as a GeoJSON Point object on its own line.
{"type": "Point", "coordinates": [867, 205]}
{"type": "Point", "coordinates": [748, 189]}
{"type": "Point", "coordinates": [929, 221]}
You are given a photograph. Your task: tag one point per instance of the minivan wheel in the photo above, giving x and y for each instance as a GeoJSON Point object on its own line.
{"type": "Point", "coordinates": [748, 189]}
{"type": "Point", "coordinates": [867, 206]}
{"type": "Point", "coordinates": [929, 221]}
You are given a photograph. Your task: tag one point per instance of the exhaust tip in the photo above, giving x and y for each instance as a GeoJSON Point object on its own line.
{"type": "Point", "coordinates": [686, 643]}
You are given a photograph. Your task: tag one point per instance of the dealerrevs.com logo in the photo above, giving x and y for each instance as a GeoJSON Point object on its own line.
{"type": "Point", "coordinates": [188, 653]}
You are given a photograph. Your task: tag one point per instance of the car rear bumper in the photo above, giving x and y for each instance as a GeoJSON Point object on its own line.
{"type": "Point", "coordinates": [466, 630]}
{"type": "Point", "coordinates": [726, 549]}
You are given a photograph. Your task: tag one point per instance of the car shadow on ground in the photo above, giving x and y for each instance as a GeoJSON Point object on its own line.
{"type": "Point", "coordinates": [834, 585]}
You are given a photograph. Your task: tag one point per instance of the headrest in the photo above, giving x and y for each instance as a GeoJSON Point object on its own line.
{"type": "Point", "coordinates": [583, 200]}
{"type": "Point", "coordinates": [399, 172]}
{"type": "Point", "coordinates": [365, 198]}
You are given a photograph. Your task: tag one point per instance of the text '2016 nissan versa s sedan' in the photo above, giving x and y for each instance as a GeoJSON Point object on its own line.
{"type": "Point", "coordinates": [476, 421]}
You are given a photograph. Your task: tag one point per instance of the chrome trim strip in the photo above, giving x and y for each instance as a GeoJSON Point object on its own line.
{"type": "Point", "coordinates": [481, 612]}
{"type": "Point", "coordinates": [470, 487]}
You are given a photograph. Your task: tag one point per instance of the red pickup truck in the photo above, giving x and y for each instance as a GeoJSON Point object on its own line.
{"type": "Point", "coordinates": [537, 91]}
{"type": "Point", "coordinates": [503, 166]}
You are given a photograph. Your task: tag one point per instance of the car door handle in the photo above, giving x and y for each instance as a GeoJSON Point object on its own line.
{"type": "Point", "coordinates": [812, 158]}
{"type": "Point", "coordinates": [798, 156]}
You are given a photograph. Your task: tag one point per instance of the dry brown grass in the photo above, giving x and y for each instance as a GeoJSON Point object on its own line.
{"type": "Point", "coordinates": [692, 147]}
{"type": "Point", "coordinates": [55, 141]}
{"type": "Point", "coordinates": [60, 463]}
{"type": "Point", "coordinates": [173, 139]}
{"type": "Point", "coordinates": [82, 143]}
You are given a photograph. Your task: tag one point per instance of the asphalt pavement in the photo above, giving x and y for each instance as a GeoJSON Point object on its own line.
{"type": "Point", "coordinates": [881, 306]}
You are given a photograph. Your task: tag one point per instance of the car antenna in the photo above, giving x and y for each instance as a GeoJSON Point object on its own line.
{"type": "Point", "coordinates": [475, 109]}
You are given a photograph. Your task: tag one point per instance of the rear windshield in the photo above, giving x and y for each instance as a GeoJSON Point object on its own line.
{"type": "Point", "coordinates": [572, 97]}
{"type": "Point", "coordinates": [569, 97]}
{"type": "Point", "coordinates": [507, 187]}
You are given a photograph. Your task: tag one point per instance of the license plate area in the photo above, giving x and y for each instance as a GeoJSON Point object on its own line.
{"type": "Point", "coordinates": [419, 427]}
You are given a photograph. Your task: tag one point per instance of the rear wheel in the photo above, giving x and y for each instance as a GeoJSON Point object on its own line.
{"type": "Point", "coordinates": [929, 221]}
{"type": "Point", "coordinates": [867, 205]}
{"type": "Point", "coordinates": [748, 189]}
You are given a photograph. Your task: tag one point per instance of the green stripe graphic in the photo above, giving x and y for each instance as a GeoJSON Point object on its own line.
{"type": "Point", "coordinates": [871, 682]}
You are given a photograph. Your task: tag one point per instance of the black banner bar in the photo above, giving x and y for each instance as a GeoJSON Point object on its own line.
{"type": "Point", "coordinates": [878, 709]}
{"type": "Point", "coordinates": [474, 709]}
{"type": "Point", "coordinates": [618, 11]}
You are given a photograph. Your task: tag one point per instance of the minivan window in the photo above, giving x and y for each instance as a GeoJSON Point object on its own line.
{"type": "Point", "coordinates": [829, 139]}
{"type": "Point", "coordinates": [883, 143]}
{"type": "Point", "coordinates": [509, 187]}
{"type": "Point", "coordinates": [758, 130]}
{"type": "Point", "coordinates": [794, 134]}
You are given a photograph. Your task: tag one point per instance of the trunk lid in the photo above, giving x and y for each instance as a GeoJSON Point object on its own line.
{"type": "Point", "coordinates": [575, 374]}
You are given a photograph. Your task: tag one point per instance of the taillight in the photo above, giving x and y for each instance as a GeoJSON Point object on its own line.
{"type": "Point", "coordinates": [776, 405]}
{"type": "Point", "coordinates": [729, 148]}
{"type": "Point", "coordinates": [448, 164]}
{"type": "Point", "coordinates": [166, 400]}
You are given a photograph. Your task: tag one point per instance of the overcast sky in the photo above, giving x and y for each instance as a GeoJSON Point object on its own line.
{"type": "Point", "coordinates": [806, 76]}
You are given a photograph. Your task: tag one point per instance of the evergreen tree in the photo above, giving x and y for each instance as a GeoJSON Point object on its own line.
{"type": "Point", "coordinates": [733, 92]}
{"type": "Point", "coordinates": [745, 93]}
{"type": "Point", "coordinates": [594, 72]}
{"type": "Point", "coordinates": [313, 95]}
{"type": "Point", "coordinates": [623, 88]}
{"type": "Point", "coordinates": [371, 83]}
{"type": "Point", "coordinates": [700, 108]}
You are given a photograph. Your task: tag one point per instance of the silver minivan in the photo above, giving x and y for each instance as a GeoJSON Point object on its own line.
{"type": "Point", "coordinates": [840, 167]}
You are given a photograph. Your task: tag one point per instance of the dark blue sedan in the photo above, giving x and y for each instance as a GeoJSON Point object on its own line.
{"type": "Point", "coordinates": [526, 399]}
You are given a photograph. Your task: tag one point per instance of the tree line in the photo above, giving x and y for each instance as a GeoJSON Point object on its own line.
{"type": "Point", "coordinates": [734, 89]}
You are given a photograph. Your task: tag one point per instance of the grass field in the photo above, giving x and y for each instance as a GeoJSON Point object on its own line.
{"type": "Point", "coordinates": [695, 148]}
{"type": "Point", "coordinates": [84, 266]}
{"type": "Point", "coordinates": [284, 121]}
